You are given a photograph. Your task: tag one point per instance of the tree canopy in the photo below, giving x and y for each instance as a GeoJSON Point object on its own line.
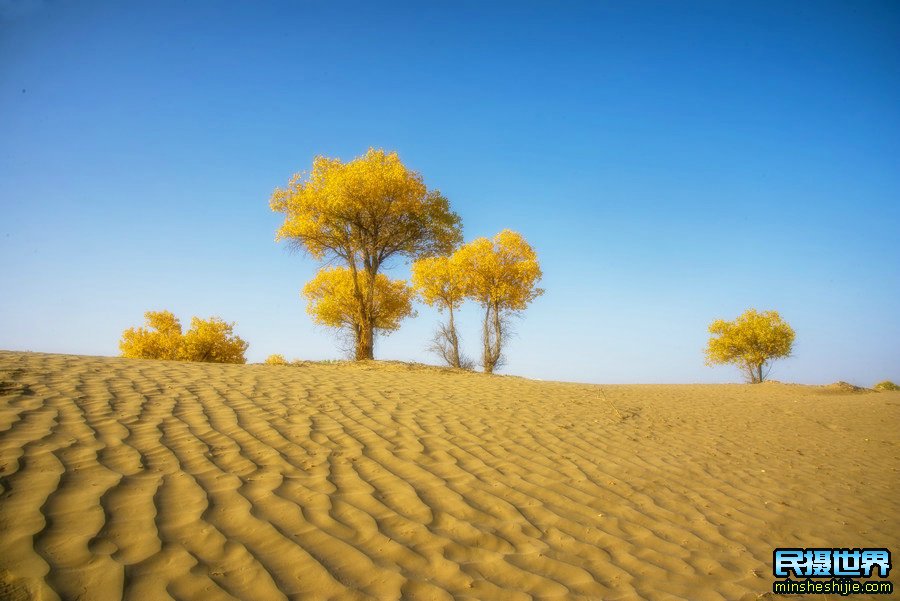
{"type": "Point", "coordinates": [363, 213]}
{"type": "Point", "coordinates": [332, 302]}
{"type": "Point", "coordinates": [502, 271]}
{"type": "Point", "coordinates": [441, 282]}
{"type": "Point", "coordinates": [501, 274]}
{"type": "Point", "coordinates": [752, 342]}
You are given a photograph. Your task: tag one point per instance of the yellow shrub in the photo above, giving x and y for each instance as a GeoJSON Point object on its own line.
{"type": "Point", "coordinates": [161, 339]}
{"type": "Point", "coordinates": [211, 340]}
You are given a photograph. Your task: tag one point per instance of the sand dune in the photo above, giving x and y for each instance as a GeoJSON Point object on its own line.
{"type": "Point", "coordinates": [151, 480]}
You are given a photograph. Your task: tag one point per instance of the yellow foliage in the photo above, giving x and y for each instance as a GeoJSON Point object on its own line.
{"type": "Point", "coordinates": [161, 339]}
{"type": "Point", "coordinates": [502, 272]}
{"type": "Point", "coordinates": [365, 211]}
{"type": "Point", "coordinates": [210, 340]}
{"type": "Point", "coordinates": [751, 341]}
{"type": "Point", "coordinates": [332, 300]}
{"type": "Point", "coordinates": [440, 281]}
{"type": "Point", "coordinates": [276, 360]}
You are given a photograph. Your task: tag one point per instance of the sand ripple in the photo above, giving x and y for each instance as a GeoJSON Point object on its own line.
{"type": "Point", "coordinates": [127, 479]}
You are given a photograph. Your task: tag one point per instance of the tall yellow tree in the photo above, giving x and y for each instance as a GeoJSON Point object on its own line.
{"type": "Point", "coordinates": [363, 213]}
{"type": "Point", "coordinates": [332, 301]}
{"type": "Point", "coordinates": [441, 282]}
{"type": "Point", "coordinates": [501, 274]}
{"type": "Point", "coordinates": [752, 342]}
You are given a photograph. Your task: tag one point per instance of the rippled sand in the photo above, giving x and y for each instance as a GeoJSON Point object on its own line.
{"type": "Point", "coordinates": [162, 480]}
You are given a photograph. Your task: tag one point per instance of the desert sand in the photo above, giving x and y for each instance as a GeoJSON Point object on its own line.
{"type": "Point", "coordinates": [152, 480]}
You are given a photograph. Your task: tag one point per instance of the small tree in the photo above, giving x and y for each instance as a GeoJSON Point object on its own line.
{"type": "Point", "coordinates": [364, 213]}
{"type": "Point", "coordinates": [276, 360]}
{"type": "Point", "coordinates": [502, 275]}
{"type": "Point", "coordinates": [211, 340]}
{"type": "Point", "coordinates": [160, 339]}
{"type": "Point", "coordinates": [441, 282]}
{"type": "Point", "coordinates": [752, 342]}
{"type": "Point", "coordinates": [332, 302]}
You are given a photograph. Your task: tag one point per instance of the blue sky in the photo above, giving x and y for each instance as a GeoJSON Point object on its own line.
{"type": "Point", "coordinates": [671, 162]}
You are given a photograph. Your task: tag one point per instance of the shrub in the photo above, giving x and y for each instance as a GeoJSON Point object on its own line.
{"type": "Point", "coordinates": [160, 339]}
{"type": "Point", "coordinates": [886, 385]}
{"type": "Point", "coordinates": [211, 341]}
{"type": "Point", "coordinates": [276, 360]}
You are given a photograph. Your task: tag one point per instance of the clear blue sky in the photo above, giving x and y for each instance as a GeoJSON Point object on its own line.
{"type": "Point", "coordinates": [671, 162]}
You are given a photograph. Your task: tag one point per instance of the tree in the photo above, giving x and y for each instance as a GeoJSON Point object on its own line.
{"type": "Point", "coordinates": [160, 339]}
{"type": "Point", "coordinates": [364, 213]}
{"type": "Point", "coordinates": [441, 282]}
{"type": "Point", "coordinates": [211, 340]}
{"type": "Point", "coordinates": [332, 301]}
{"type": "Point", "coordinates": [752, 342]}
{"type": "Point", "coordinates": [502, 275]}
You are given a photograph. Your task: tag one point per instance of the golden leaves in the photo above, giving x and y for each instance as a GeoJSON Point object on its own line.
{"type": "Point", "coordinates": [369, 208]}
{"type": "Point", "coordinates": [161, 339]}
{"type": "Point", "coordinates": [502, 271]}
{"type": "Point", "coordinates": [333, 299]}
{"type": "Point", "coordinates": [440, 281]}
{"type": "Point", "coordinates": [211, 340]}
{"type": "Point", "coordinates": [750, 341]}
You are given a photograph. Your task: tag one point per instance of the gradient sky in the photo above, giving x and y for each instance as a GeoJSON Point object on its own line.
{"type": "Point", "coordinates": [671, 162]}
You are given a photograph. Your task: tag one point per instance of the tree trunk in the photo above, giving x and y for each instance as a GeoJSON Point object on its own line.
{"type": "Point", "coordinates": [361, 329]}
{"type": "Point", "coordinates": [365, 297]}
{"type": "Point", "coordinates": [365, 342]}
{"type": "Point", "coordinates": [454, 341]}
{"type": "Point", "coordinates": [486, 359]}
{"type": "Point", "coordinates": [493, 338]}
{"type": "Point", "coordinates": [498, 336]}
{"type": "Point", "coordinates": [754, 372]}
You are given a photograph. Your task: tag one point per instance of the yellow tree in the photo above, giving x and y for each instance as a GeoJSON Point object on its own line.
{"type": "Point", "coordinates": [441, 282]}
{"type": "Point", "coordinates": [160, 339]}
{"type": "Point", "coordinates": [363, 213]}
{"type": "Point", "coordinates": [502, 275]}
{"type": "Point", "coordinates": [213, 341]}
{"type": "Point", "coordinates": [751, 342]}
{"type": "Point", "coordinates": [332, 301]}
